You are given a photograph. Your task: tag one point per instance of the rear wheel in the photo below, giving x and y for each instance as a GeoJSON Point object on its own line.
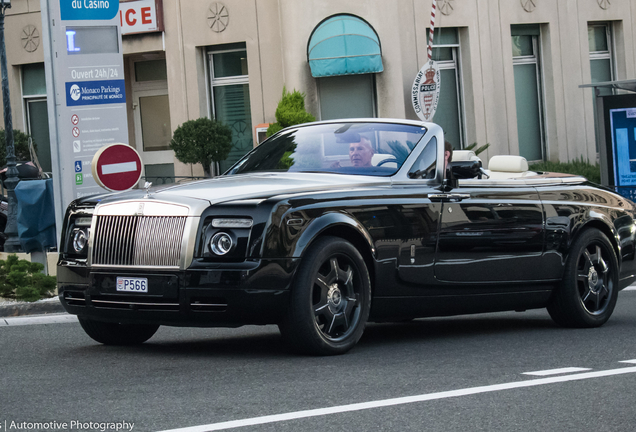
{"type": "Point", "coordinates": [587, 295]}
{"type": "Point", "coordinates": [117, 334]}
{"type": "Point", "coordinates": [331, 299]}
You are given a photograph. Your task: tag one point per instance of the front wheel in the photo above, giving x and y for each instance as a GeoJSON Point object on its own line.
{"type": "Point", "coordinates": [587, 295]}
{"type": "Point", "coordinates": [117, 334]}
{"type": "Point", "coordinates": [330, 299]}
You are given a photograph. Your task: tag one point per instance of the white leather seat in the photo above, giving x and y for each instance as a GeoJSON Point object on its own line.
{"type": "Point", "coordinates": [464, 155]}
{"type": "Point", "coordinates": [379, 157]}
{"type": "Point", "coordinates": [508, 166]}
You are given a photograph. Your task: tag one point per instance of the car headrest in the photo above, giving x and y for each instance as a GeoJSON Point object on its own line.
{"type": "Point", "coordinates": [508, 163]}
{"type": "Point", "coordinates": [464, 155]}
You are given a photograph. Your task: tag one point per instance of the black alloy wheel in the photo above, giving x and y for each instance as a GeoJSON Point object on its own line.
{"type": "Point", "coordinates": [331, 299]}
{"type": "Point", "coordinates": [587, 295]}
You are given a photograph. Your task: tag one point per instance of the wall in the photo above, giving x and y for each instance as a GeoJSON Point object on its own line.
{"type": "Point", "coordinates": [276, 33]}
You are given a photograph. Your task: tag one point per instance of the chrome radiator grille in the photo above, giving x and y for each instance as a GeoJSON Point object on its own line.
{"type": "Point", "coordinates": [138, 240]}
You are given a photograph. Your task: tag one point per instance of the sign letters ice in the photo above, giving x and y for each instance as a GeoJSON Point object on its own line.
{"type": "Point", "coordinates": [95, 92]}
{"type": "Point", "coordinates": [89, 9]}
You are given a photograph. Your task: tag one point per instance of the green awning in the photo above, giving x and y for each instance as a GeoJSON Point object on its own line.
{"type": "Point", "coordinates": [344, 45]}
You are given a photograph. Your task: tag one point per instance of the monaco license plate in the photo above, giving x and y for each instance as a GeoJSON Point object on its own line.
{"type": "Point", "coordinates": [129, 284]}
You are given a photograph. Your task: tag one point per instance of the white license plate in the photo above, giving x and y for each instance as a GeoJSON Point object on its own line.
{"type": "Point", "coordinates": [128, 284]}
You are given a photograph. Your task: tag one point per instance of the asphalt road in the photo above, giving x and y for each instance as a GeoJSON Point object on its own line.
{"type": "Point", "coordinates": [463, 373]}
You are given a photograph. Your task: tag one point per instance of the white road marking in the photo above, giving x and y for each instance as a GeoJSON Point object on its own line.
{"type": "Point", "coordinates": [628, 361]}
{"type": "Point", "coordinates": [117, 168]}
{"type": "Point", "coordinates": [402, 400]}
{"type": "Point", "coordinates": [556, 371]}
{"type": "Point", "coordinates": [630, 288]}
{"type": "Point", "coordinates": [41, 319]}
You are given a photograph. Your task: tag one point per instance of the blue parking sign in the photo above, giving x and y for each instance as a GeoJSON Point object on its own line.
{"type": "Point", "coordinates": [78, 166]}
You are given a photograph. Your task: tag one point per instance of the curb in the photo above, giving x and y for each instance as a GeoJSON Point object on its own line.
{"type": "Point", "coordinates": [35, 308]}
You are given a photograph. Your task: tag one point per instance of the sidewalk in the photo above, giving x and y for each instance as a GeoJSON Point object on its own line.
{"type": "Point", "coordinates": [10, 308]}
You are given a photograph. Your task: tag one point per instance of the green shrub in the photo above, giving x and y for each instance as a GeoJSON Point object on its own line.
{"type": "Point", "coordinates": [24, 280]}
{"type": "Point", "coordinates": [578, 167]}
{"type": "Point", "coordinates": [21, 145]}
{"type": "Point", "coordinates": [202, 141]}
{"type": "Point", "coordinates": [290, 111]}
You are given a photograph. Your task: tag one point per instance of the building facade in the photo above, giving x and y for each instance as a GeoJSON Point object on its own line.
{"type": "Point", "coordinates": [510, 69]}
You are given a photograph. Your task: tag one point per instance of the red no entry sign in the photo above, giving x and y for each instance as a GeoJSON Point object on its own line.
{"type": "Point", "coordinates": [116, 167]}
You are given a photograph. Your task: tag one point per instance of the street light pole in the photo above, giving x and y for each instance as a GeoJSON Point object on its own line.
{"type": "Point", "coordinates": [12, 243]}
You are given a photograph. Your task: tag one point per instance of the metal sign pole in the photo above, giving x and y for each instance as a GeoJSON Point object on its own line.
{"type": "Point", "coordinates": [86, 95]}
{"type": "Point", "coordinates": [12, 243]}
{"type": "Point", "coordinates": [426, 86]}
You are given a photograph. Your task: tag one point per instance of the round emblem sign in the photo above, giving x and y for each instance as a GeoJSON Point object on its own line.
{"type": "Point", "coordinates": [446, 7]}
{"type": "Point", "coordinates": [218, 17]}
{"type": "Point", "coordinates": [116, 167]}
{"type": "Point", "coordinates": [528, 5]}
{"type": "Point", "coordinates": [604, 4]}
{"type": "Point", "coordinates": [30, 38]}
{"type": "Point", "coordinates": [425, 91]}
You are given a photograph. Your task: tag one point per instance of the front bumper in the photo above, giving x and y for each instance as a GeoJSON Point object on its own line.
{"type": "Point", "coordinates": [205, 295]}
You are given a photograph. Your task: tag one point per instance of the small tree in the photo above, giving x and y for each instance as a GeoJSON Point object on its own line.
{"type": "Point", "coordinates": [290, 111]}
{"type": "Point", "coordinates": [21, 143]}
{"type": "Point", "coordinates": [202, 141]}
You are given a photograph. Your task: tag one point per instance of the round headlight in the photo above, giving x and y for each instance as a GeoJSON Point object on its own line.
{"type": "Point", "coordinates": [221, 243]}
{"type": "Point", "coordinates": [80, 240]}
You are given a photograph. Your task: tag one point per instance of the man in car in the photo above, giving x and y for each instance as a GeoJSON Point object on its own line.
{"type": "Point", "coordinates": [361, 153]}
{"type": "Point", "coordinates": [448, 158]}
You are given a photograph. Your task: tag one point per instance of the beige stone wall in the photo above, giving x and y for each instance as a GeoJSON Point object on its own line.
{"type": "Point", "coordinates": [188, 34]}
{"type": "Point", "coordinates": [21, 14]}
{"type": "Point", "coordinates": [276, 33]}
{"type": "Point", "coordinates": [487, 71]}
{"type": "Point", "coordinates": [392, 21]}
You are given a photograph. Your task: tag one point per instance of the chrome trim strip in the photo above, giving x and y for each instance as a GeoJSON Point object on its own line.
{"type": "Point", "coordinates": [188, 241]}
{"type": "Point", "coordinates": [246, 202]}
{"type": "Point", "coordinates": [146, 207]}
{"type": "Point", "coordinates": [140, 267]}
{"type": "Point", "coordinates": [209, 304]}
{"type": "Point", "coordinates": [89, 257]}
{"type": "Point", "coordinates": [134, 303]}
{"type": "Point", "coordinates": [522, 181]}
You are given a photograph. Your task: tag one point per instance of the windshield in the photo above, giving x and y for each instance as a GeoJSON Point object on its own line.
{"type": "Point", "coordinates": [376, 149]}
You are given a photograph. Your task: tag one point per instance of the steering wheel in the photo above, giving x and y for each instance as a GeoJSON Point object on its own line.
{"type": "Point", "coordinates": [382, 162]}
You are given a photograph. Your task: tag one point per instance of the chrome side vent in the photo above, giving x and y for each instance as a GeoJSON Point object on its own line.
{"type": "Point", "coordinates": [138, 240]}
{"type": "Point", "coordinates": [75, 298]}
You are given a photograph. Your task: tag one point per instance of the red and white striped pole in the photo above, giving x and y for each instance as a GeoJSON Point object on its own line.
{"type": "Point", "coordinates": [432, 31]}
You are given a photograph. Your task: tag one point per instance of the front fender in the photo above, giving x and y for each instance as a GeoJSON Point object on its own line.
{"type": "Point", "coordinates": [602, 222]}
{"type": "Point", "coordinates": [298, 239]}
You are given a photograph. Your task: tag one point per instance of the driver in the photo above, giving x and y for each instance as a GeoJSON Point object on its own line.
{"type": "Point", "coordinates": [360, 153]}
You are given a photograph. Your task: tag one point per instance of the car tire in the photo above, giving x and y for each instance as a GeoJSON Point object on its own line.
{"type": "Point", "coordinates": [330, 299]}
{"type": "Point", "coordinates": [117, 334]}
{"type": "Point", "coordinates": [589, 289]}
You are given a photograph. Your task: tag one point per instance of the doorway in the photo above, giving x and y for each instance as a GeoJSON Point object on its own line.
{"type": "Point", "coordinates": [153, 130]}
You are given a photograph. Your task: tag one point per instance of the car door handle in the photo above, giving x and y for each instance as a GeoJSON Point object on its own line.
{"type": "Point", "coordinates": [448, 197]}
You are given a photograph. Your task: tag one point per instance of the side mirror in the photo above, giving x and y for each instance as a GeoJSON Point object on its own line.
{"type": "Point", "coordinates": [466, 169]}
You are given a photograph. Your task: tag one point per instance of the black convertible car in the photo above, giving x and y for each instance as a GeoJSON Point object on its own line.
{"type": "Point", "coordinates": [329, 225]}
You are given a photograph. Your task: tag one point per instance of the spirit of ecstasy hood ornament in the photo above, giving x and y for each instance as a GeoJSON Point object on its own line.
{"type": "Point", "coordinates": [147, 188]}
